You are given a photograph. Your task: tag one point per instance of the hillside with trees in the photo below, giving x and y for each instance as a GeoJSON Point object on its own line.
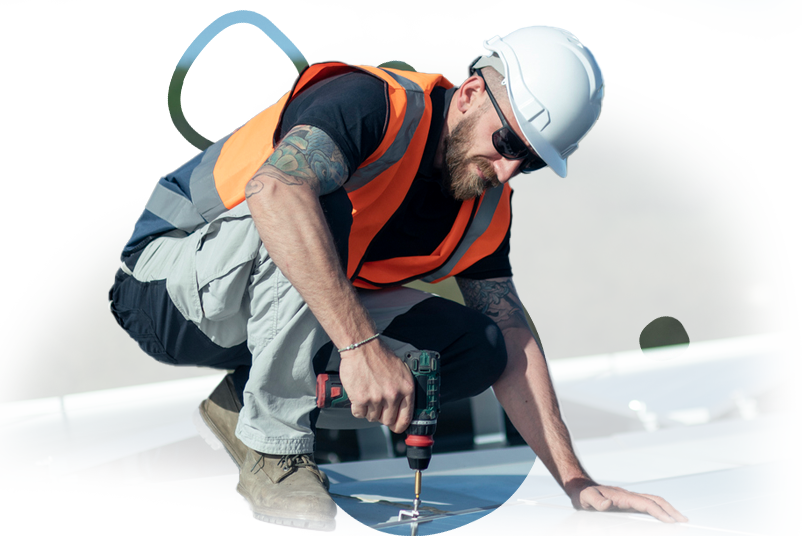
{"type": "Point", "coordinates": [666, 219]}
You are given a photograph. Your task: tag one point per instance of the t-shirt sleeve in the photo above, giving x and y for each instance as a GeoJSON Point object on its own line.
{"type": "Point", "coordinates": [352, 108]}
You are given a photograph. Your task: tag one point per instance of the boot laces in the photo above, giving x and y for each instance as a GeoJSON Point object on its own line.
{"type": "Point", "coordinates": [289, 463]}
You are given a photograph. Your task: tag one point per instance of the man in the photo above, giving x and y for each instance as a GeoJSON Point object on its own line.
{"type": "Point", "coordinates": [279, 253]}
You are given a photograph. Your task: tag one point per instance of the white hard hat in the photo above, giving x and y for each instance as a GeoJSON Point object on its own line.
{"type": "Point", "coordinates": [554, 85]}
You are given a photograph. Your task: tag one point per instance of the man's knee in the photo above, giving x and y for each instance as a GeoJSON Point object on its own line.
{"type": "Point", "coordinates": [146, 312]}
{"type": "Point", "coordinates": [488, 351]}
{"type": "Point", "coordinates": [473, 354]}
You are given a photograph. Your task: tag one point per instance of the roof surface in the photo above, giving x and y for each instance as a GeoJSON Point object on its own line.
{"type": "Point", "coordinates": [708, 471]}
{"type": "Point", "coordinates": [131, 461]}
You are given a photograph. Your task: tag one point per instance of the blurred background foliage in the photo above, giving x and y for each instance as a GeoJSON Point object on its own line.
{"type": "Point", "coordinates": [665, 221]}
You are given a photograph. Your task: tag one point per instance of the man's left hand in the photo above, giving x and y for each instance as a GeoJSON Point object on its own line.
{"type": "Point", "coordinates": [587, 495]}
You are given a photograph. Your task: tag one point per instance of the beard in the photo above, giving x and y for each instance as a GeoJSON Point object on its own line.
{"type": "Point", "coordinates": [459, 174]}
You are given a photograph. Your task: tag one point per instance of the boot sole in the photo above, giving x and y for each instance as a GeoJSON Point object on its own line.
{"type": "Point", "coordinates": [326, 525]}
{"type": "Point", "coordinates": [208, 432]}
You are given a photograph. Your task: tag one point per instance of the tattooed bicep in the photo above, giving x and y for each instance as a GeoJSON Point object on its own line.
{"type": "Point", "coordinates": [306, 156]}
{"type": "Point", "coordinates": [496, 298]}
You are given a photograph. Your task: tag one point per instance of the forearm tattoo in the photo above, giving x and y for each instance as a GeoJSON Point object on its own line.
{"type": "Point", "coordinates": [305, 156]}
{"type": "Point", "coordinates": [497, 299]}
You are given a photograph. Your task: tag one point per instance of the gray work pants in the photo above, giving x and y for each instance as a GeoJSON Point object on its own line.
{"type": "Point", "coordinates": [220, 285]}
{"type": "Point", "coordinates": [222, 279]}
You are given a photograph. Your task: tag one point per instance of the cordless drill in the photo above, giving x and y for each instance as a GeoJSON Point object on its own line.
{"type": "Point", "coordinates": [425, 368]}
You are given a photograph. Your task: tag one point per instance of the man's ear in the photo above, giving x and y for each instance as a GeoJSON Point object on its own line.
{"type": "Point", "coordinates": [470, 94]}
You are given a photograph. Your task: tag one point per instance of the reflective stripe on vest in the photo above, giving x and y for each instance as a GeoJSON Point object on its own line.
{"type": "Point", "coordinates": [415, 105]}
{"type": "Point", "coordinates": [202, 206]}
{"type": "Point", "coordinates": [493, 210]}
{"type": "Point", "coordinates": [382, 182]}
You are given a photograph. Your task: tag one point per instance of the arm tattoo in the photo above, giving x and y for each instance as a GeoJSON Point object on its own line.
{"type": "Point", "coordinates": [495, 298]}
{"type": "Point", "coordinates": [306, 155]}
{"type": "Point", "coordinates": [254, 186]}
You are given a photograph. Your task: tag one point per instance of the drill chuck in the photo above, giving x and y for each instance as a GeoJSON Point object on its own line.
{"type": "Point", "coordinates": [419, 451]}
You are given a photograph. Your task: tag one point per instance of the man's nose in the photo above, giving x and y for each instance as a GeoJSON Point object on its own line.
{"type": "Point", "coordinates": [505, 169]}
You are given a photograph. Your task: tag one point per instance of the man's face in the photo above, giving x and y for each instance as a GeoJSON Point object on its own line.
{"type": "Point", "coordinates": [472, 163]}
{"type": "Point", "coordinates": [467, 176]}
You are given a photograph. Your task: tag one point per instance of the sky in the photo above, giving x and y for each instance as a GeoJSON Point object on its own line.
{"type": "Point", "coordinates": [733, 54]}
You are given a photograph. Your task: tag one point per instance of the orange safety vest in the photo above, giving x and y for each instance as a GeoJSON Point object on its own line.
{"type": "Point", "coordinates": [376, 189]}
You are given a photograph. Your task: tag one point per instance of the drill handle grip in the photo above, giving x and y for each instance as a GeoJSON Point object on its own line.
{"type": "Point", "coordinates": [330, 392]}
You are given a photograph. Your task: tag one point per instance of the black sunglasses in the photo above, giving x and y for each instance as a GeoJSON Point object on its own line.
{"type": "Point", "coordinates": [507, 142]}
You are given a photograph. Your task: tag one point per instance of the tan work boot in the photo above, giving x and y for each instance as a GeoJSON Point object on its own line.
{"type": "Point", "coordinates": [220, 413]}
{"type": "Point", "coordinates": [286, 490]}
{"type": "Point", "coordinates": [217, 422]}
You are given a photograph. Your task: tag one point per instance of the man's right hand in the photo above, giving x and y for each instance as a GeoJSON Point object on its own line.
{"type": "Point", "coordinates": [379, 385]}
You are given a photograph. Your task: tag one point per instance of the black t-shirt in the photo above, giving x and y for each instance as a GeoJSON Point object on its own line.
{"type": "Point", "coordinates": [353, 110]}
